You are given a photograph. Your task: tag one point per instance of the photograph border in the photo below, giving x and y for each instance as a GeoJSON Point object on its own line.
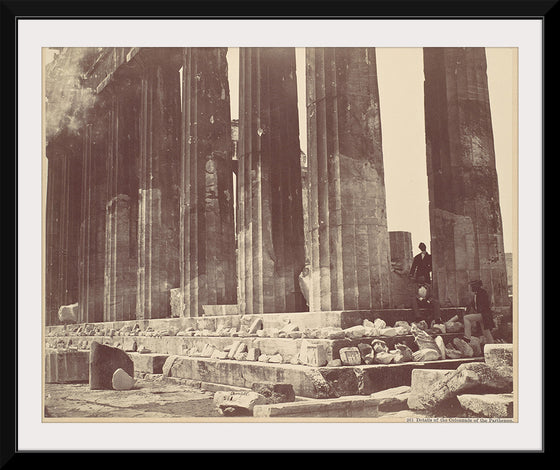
{"type": "Point", "coordinates": [19, 17]}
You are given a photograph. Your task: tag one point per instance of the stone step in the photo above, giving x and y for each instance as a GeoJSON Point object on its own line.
{"type": "Point", "coordinates": [148, 363]}
{"type": "Point", "coordinates": [311, 382]}
{"type": "Point", "coordinates": [218, 310]}
{"type": "Point", "coordinates": [288, 348]}
{"type": "Point", "coordinates": [343, 407]}
{"type": "Point", "coordinates": [491, 405]}
{"type": "Point", "coordinates": [342, 319]}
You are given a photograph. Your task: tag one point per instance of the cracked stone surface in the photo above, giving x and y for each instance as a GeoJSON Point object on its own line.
{"type": "Point", "coordinates": [151, 399]}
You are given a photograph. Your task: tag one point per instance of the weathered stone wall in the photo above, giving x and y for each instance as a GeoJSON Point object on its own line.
{"type": "Point", "coordinates": [465, 217]}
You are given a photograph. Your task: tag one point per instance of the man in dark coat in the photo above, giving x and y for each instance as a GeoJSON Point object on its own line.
{"type": "Point", "coordinates": [423, 299]}
{"type": "Point", "coordinates": [479, 311]}
{"type": "Point", "coordinates": [422, 264]}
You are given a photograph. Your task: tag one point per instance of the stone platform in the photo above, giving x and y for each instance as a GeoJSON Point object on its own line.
{"type": "Point", "coordinates": [311, 382]}
{"type": "Point", "coordinates": [343, 319]}
{"type": "Point", "coordinates": [179, 347]}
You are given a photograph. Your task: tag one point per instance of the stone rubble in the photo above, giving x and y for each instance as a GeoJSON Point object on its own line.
{"type": "Point", "coordinates": [482, 389]}
{"type": "Point", "coordinates": [122, 381]}
{"type": "Point", "coordinates": [371, 349]}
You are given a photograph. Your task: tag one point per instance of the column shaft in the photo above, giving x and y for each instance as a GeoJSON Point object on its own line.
{"type": "Point", "coordinates": [270, 214]}
{"type": "Point", "coordinates": [465, 216]}
{"type": "Point", "coordinates": [62, 223]}
{"type": "Point", "coordinates": [401, 261]}
{"type": "Point", "coordinates": [158, 169]}
{"type": "Point", "coordinates": [121, 205]}
{"type": "Point", "coordinates": [92, 229]}
{"type": "Point", "coordinates": [347, 215]}
{"type": "Point", "coordinates": [208, 272]}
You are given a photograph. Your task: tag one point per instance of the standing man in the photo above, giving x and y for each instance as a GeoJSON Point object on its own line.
{"type": "Point", "coordinates": [422, 265]}
{"type": "Point", "coordinates": [479, 311]}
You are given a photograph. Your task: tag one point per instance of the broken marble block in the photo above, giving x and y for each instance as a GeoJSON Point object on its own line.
{"type": "Point", "coordinates": [253, 354]}
{"type": "Point", "coordinates": [68, 313]}
{"type": "Point", "coordinates": [233, 349]}
{"type": "Point", "coordinates": [500, 358]}
{"type": "Point", "coordinates": [422, 382]}
{"type": "Point", "coordinates": [312, 354]}
{"type": "Point", "coordinates": [177, 302]}
{"type": "Point", "coordinates": [103, 362]}
{"type": "Point", "coordinates": [491, 405]}
{"type": "Point", "coordinates": [357, 331]}
{"type": "Point", "coordinates": [463, 346]}
{"type": "Point", "coordinates": [275, 392]}
{"type": "Point", "coordinates": [233, 403]}
{"type": "Point", "coordinates": [350, 356]}
{"type": "Point", "coordinates": [255, 326]}
{"type": "Point", "coordinates": [276, 359]}
{"type": "Point", "coordinates": [122, 381]}
{"type": "Point", "coordinates": [468, 378]}
{"type": "Point", "coordinates": [366, 352]}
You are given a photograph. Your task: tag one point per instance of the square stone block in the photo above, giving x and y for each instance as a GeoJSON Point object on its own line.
{"type": "Point", "coordinates": [148, 363]}
{"type": "Point", "coordinates": [422, 381]}
{"type": "Point", "coordinates": [66, 366]}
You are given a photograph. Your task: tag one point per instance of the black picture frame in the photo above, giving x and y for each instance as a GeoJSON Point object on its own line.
{"type": "Point", "coordinates": [14, 11]}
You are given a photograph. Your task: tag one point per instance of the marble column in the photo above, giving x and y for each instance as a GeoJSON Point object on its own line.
{"type": "Point", "coordinates": [158, 167]}
{"type": "Point", "coordinates": [347, 209]}
{"type": "Point", "coordinates": [207, 232]}
{"type": "Point", "coordinates": [62, 223]}
{"type": "Point", "coordinates": [91, 252]}
{"type": "Point", "coordinates": [270, 215]}
{"type": "Point", "coordinates": [401, 261]}
{"type": "Point", "coordinates": [121, 149]}
{"type": "Point", "coordinates": [465, 217]}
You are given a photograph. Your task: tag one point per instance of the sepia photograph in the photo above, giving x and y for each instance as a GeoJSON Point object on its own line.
{"type": "Point", "coordinates": [297, 231]}
{"type": "Point", "coordinates": [220, 245]}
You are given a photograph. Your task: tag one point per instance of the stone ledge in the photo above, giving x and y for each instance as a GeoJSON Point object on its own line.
{"type": "Point", "coordinates": [336, 318]}
{"type": "Point", "coordinates": [148, 363]}
{"type": "Point", "coordinates": [311, 382]}
{"type": "Point", "coordinates": [344, 407]}
{"type": "Point", "coordinates": [289, 348]}
{"type": "Point", "coordinates": [490, 405]}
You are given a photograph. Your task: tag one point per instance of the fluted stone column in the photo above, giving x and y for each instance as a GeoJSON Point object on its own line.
{"type": "Point", "coordinates": [347, 210]}
{"type": "Point", "coordinates": [129, 235]}
{"type": "Point", "coordinates": [401, 261]}
{"type": "Point", "coordinates": [158, 168]}
{"type": "Point", "coordinates": [62, 223]}
{"type": "Point", "coordinates": [207, 244]}
{"type": "Point", "coordinates": [121, 203]}
{"type": "Point", "coordinates": [91, 253]}
{"type": "Point", "coordinates": [465, 217]}
{"type": "Point", "coordinates": [270, 216]}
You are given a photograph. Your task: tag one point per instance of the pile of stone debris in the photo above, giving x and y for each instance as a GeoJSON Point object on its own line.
{"type": "Point", "coordinates": [372, 342]}
{"type": "Point", "coordinates": [374, 352]}
{"type": "Point", "coordinates": [482, 389]}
